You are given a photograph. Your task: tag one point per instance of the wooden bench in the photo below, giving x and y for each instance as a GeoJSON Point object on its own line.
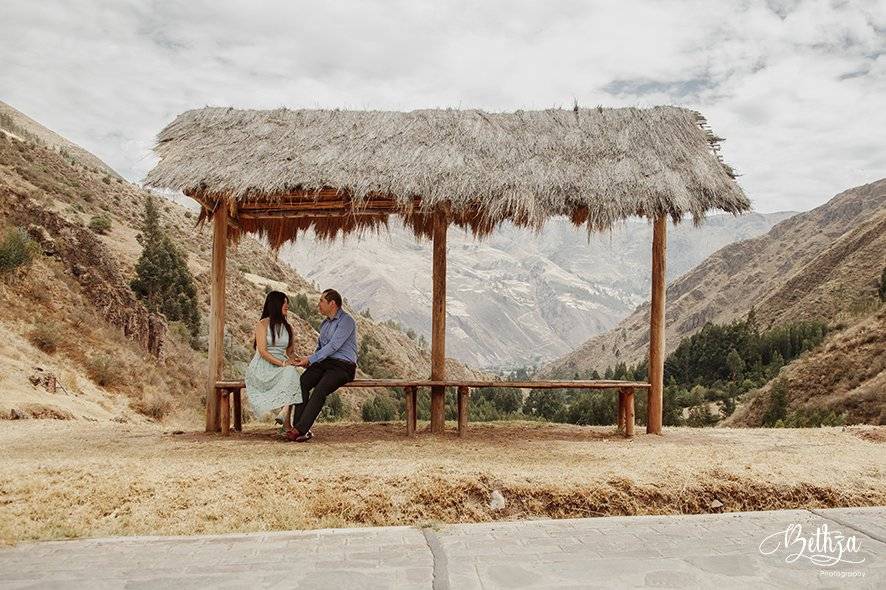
{"type": "Point", "coordinates": [228, 391]}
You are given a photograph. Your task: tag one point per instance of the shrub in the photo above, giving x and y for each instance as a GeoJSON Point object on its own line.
{"type": "Point", "coordinates": [100, 224]}
{"type": "Point", "coordinates": [106, 180]}
{"type": "Point", "coordinates": [153, 404]}
{"type": "Point", "coordinates": [333, 409]}
{"type": "Point", "coordinates": [103, 370]}
{"type": "Point", "coordinates": [17, 249]}
{"type": "Point", "coordinates": [806, 418]}
{"type": "Point", "coordinates": [379, 409]}
{"type": "Point", "coordinates": [300, 306]}
{"type": "Point", "coordinates": [373, 360]}
{"type": "Point", "coordinates": [45, 337]}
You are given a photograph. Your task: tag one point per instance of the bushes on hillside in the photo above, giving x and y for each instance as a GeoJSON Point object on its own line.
{"type": "Point", "coordinates": [45, 337]}
{"type": "Point", "coordinates": [379, 409]}
{"type": "Point", "coordinates": [100, 224]}
{"type": "Point", "coordinates": [333, 409]}
{"type": "Point", "coordinates": [17, 250]}
{"type": "Point", "coordinates": [103, 370]}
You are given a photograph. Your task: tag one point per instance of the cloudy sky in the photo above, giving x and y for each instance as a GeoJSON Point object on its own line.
{"type": "Point", "coordinates": [798, 89]}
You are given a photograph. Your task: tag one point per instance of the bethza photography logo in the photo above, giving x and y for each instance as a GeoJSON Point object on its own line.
{"type": "Point", "coordinates": [823, 547]}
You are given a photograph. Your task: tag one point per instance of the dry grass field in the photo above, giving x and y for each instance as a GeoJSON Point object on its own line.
{"type": "Point", "coordinates": [85, 479]}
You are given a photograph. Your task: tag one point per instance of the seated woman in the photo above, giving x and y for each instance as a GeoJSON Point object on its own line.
{"type": "Point", "coordinates": [272, 381]}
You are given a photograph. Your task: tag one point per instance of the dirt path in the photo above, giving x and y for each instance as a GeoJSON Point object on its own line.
{"type": "Point", "coordinates": [80, 479]}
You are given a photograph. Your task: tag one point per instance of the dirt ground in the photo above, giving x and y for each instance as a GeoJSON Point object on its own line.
{"type": "Point", "coordinates": [86, 479]}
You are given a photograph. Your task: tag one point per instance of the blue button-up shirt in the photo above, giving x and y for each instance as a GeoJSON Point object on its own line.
{"type": "Point", "coordinates": [338, 339]}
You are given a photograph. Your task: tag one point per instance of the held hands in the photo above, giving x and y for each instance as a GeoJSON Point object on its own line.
{"type": "Point", "coordinates": [296, 361]}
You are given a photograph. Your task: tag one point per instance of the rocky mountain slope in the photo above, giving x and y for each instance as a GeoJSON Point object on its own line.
{"type": "Point", "coordinates": [845, 375]}
{"type": "Point", "coordinates": [823, 264]}
{"type": "Point", "coordinates": [515, 298]}
{"type": "Point", "coordinates": [23, 127]}
{"type": "Point", "coordinates": [76, 343]}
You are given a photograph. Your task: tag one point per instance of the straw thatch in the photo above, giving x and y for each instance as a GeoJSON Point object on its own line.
{"type": "Point", "coordinates": [596, 166]}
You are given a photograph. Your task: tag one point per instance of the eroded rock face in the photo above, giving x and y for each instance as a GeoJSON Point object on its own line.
{"type": "Point", "coordinates": [94, 268]}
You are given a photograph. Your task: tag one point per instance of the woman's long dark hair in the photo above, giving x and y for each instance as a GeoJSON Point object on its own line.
{"type": "Point", "coordinates": [273, 309]}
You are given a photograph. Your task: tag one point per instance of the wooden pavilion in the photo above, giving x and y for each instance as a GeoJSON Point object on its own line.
{"type": "Point", "coordinates": [277, 173]}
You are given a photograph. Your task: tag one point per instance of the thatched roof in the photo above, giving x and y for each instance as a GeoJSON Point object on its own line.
{"type": "Point", "coordinates": [597, 166]}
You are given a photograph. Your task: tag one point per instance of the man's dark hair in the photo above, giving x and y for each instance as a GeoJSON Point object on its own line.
{"type": "Point", "coordinates": [332, 295]}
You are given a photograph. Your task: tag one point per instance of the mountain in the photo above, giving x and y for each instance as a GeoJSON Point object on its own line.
{"type": "Point", "coordinates": [76, 343]}
{"type": "Point", "coordinates": [846, 375]}
{"type": "Point", "coordinates": [516, 298]}
{"type": "Point", "coordinates": [20, 126]}
{"type": "Point", "coordinates": [820, 265]}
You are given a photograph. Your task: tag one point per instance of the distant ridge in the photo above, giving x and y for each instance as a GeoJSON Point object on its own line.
{"type": "Point", "coordinates": [813, 266]}
{"type": "Point", "coordinates": [52, 139]}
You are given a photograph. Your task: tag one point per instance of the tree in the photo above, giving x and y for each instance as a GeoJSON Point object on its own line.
{"type": "Point", "coordinates": [735, 364]}
{"type": "Point", "coordinates": [778, 403]}
{"type": "Point", "coordinates": [163, 281]}
{"type": "Point", "coordinates": [545, 403]}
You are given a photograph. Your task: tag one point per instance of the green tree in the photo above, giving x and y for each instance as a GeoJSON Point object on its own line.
{"type": "Point", "coordinates": [163, 281]}
{"type": "Point", "coordinates": [735, 364]}
{"type": "Point", "coordinates": [545, 403]}
{"type": "Point", "coordinates": [778, 403]}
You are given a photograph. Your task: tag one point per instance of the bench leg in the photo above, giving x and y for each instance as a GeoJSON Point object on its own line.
{"type": "Point", "coordinates": [629, 412]}
{"type": "Point", "coordinates": [620, 413]}
{"type": "Point", "coordinates": [411, 409]}
{"type": "Point", "coordinates": [464, 395]}
{"type": "Point", "coordinates": [238, 411]}
{"type": "Point", "coordinates": [225, 413]}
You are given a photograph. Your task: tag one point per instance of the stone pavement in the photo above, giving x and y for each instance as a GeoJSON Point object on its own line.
{"type": "Point", "coordinates": [719, 550]}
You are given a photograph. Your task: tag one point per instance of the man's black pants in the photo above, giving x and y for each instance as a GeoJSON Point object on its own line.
{"type": "Point", "coordinates": [323, 378]}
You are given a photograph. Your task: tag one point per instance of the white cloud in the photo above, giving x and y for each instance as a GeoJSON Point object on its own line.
{"type": "Point", "coordinates": [795, 87]}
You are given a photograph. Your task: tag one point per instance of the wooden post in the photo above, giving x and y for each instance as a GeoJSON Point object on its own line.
{"type": "Point", "coordinates": [216, 313]}
{"type": "Point", "coordinates": [464, 395]}
{"type": "Point", "coordinates": [225, 412]}
{"type": "Point", "coordinates": [657, 326]}
{"type": "Point", "coordinates": [621, 409]}
{"type": "Point", "coordinates": [438, 323]}
{"type": "Point", "coordinates": [629, 412]}
{"type": "Point", "coordinates": [238, 410]}
{"type": "Point", "coordinates": [411, 409]}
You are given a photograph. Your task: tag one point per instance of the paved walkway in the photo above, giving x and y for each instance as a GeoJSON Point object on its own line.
{"type": "Point", "coordinates": [709, 551]}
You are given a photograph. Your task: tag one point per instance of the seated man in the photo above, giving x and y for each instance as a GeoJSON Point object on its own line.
{"type": "Point", "coordinates": [331, 366]}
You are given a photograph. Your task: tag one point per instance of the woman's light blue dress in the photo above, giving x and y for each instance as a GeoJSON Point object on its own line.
{"type": "Point", "coordinates": [268, 386]}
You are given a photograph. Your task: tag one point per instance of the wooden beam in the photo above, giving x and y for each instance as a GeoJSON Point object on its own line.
{"type": "Point", "coordinates": [657, 326]}
{"type": "Point", "coordinates": [216, 315]}
{"type": "Point", "coordinates": [438, 323]}
{"type": "Point", "coordinates": [319, 206]}
{"type": "Point", "coordinates": [315, 215]}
